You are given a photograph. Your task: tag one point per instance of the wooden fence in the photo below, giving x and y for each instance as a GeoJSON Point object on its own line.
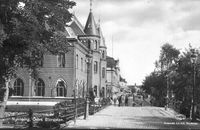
{"type": "Point", "coordinates": [52, 118]}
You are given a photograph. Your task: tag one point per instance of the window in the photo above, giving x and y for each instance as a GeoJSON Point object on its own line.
{"type": "Point", "coordinates": [61, 91]}
{"type": "Point", "coordinates": [40, 88]}
{"type": "Point", "coordinates": [89, 44]}
{"type": "Point", "coordinates": [18, 88]}
{"type": "Point", "coordinates": [76, 61]}
{"type": "Point", "coordinates": [83, 94]}
{"type": "Point", "coordinates": [96, 45]}
{"type": "Point", "coordinates": [95, 67]}
{"type": "Point", "coordinates": [61, 60]}
{"type": "Point", "coordinates": [103, 54]}
{"type": "Point", "coordinates": [103, 72]}
{"type": "Point", "coordinates": [81, 64]}
{"type": "Point", "coordinates": [103, 92]}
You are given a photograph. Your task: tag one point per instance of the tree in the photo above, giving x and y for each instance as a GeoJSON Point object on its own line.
{"type": "Point", "coordinates": [184, 80]}
{"type": "Point", "coordinates": [168, 55]}
{"type": "Point", "coordinates": [28, 29]}
{"type": "Point", "coordinates": [155, 84]}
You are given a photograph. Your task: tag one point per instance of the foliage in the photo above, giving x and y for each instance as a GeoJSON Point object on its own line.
{"type": "Point", "coordinates": [155, 85]}
{"type": "Point", "coordinates": [168, 55]}
{"type": "Point", "coordinates": [30, 28]}
{"type": "Point", "coordinates": [48, 124]}
{"type": "Point", "coordinates": [180, 72]}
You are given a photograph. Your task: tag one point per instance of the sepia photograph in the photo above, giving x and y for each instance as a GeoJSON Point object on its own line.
{"type": "Point", "coordinates": [99, 64]}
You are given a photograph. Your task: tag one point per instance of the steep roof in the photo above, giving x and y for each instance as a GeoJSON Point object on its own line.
{"type": "Point", "coordinates": [111, 63]}
{"type": "Point", "coordinates": [122, 79]}
{"type": "Point", "coordinates": [102, 40]}
{"type": "Point", "coordinates": [74, 28]}
{"type": "Point", "coordinates": [90, 26]}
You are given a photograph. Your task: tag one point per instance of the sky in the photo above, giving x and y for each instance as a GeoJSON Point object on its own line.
{"type": "Point", "coordinates": [135, 30]}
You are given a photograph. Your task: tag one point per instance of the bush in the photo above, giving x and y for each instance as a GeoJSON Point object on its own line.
{"type": "Point", "coordinates": [48, 124]}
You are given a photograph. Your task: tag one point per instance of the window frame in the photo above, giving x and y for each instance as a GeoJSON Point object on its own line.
{"type": "Point", "coordinates": [40, 87]}
{"type": "Point", "coordinates": [95, 67]}
{"type": "Point", "coordinates": [18, 87]}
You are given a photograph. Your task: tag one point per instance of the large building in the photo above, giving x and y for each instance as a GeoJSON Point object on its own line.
{"type": "Point", "coordinates": [82, 68]}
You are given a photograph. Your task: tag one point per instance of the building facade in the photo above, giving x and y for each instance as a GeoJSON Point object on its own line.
{"type": "Point", "coordinates": [81, 69]}
{"type": "Point", "coordinates": [113, 76]}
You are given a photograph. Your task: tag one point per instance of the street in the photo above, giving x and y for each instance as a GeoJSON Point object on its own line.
{"type": "Point", "coordinates": [134, 118]}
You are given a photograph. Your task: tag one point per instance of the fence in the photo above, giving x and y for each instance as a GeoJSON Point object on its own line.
{"type": "Point", "coordinates": [97, 106]}
{"type": "Point", "coordinates": [52, 118]}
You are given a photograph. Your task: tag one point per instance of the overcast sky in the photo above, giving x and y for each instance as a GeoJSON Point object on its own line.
{"type": "Point", "coordinates": [140, 27]}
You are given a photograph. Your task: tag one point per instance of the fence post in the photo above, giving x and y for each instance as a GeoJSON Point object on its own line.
{"type": "Point", "coordinates": [75, 113]}
{"type": "Point", "coordinates": [86, 108]}
{"type": "Point", "coordinates": [30, 118]}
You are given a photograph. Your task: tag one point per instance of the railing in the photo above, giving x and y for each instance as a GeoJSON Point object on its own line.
{"type": "Point", "coordinates": [97, 106]}
{"type": "Point", "coordinates": [52, 118]}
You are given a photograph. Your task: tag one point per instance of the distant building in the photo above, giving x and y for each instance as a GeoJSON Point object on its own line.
{"type": "Point", "coordinates": [113, 76]}
{"type": "Point", "coordinates": [123, 85]}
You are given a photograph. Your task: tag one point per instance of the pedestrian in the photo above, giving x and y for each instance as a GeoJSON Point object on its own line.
{"type": "Point", "coordinates": [120, 100]}
{"type": "Point", "coordinates": [115, 100]}
{"type": "Point", "coordinates": [126, 100]}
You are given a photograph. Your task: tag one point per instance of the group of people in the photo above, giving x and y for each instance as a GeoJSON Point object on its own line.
{"type": "Point", "coordinates": [122, 99]}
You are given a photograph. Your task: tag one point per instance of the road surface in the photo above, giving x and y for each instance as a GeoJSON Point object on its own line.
{"type": "Point", "coordinates": [133, 118]}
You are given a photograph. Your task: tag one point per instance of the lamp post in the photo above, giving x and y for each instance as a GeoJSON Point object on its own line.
{"type": "Point", "coordinates": [193, 60]}
{"type": "Point", "coordinates": [87, 90]}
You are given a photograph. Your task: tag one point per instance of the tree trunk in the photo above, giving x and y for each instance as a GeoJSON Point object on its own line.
{"type": "Point", "coordinates": [4, 102]}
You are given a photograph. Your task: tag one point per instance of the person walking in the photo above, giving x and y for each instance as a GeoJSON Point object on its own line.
{"type": "Point", "coordinates": [120, 100]}
{"type": "Point", "coordinates": [126, 100]}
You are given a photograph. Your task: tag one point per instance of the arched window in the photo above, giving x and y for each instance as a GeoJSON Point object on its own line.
{"type": "Point", "coordinates": [61, 89]}
{"type": "Point", "coordinates": [95, 67]}
{"type": "Point", "coordinates": [18, 87]}
{"type": "Point", "coordinates": [40, 88]}
{"type": "Point", "coordinates": [103, 72]}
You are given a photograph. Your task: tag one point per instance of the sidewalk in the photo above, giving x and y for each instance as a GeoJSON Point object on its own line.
{"type": "Point", "coordinates": [127, 118]}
